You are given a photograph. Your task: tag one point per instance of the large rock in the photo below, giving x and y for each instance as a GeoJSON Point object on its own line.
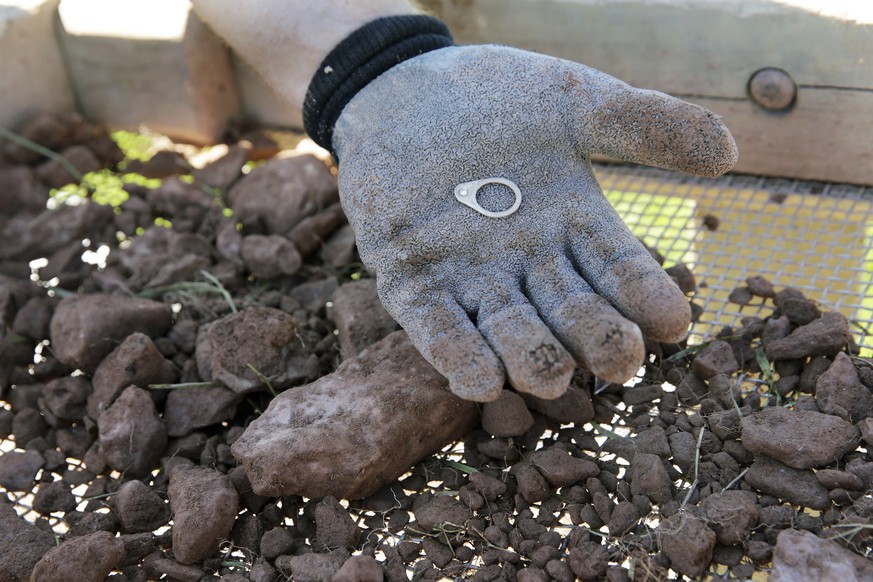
{"type": "Point", "coordinates": [801, 556]}
{"type": "Point", "coordinates": [242, 349]}
{"type": "Point", "coordinates": [839, 391]}
{"type": "Point", "coordinates": [132, 436]}
{"type": "Point", "coordinates": [802, 439]}
{"type": "Point", "coordinates": [22, 543]}
{"type": "Point", "coordinates": [277, 196]}
{"type": "Point", "coordinates": [87, 558]}
{"type": "Point", "coordinates": [85, 328]}
{"type": "Point", "coordinates": [359, 317]}
{"type": "Point", "coordinates": [136, 361]}
{"type": "Point", "coordinates": [204, 505]}
{"type": "Point", "coordinates": [353, 431]}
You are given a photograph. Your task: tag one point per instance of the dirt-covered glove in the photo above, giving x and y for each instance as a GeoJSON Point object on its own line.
{"type": "Point", "coordinates": [559, 281]}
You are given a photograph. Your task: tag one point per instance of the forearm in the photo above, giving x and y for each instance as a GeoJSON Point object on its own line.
{"type": "Point", "coordinates": [286, 40]}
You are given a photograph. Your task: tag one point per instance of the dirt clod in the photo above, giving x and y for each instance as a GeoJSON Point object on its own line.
{"type": "Point", "coordinates": [839, 391]}
{"type": "Point", "coordinates": [575, 405]}
{"type": "Point", "coordinates": [649, 478]}
{"type": "Point", "coordinates": [824, 336]}
{"type": "Point", "coordinates": [270, 256]}
{"type": "Point", "coordinates": [276, 542]}
{"type": "Point", "coordinates": [54, 496]}
{"type": "Point", "coordinates": [760, 286]}
{"type": "Point", "coordinates": [359, 569]}
{"type": "Point", "coordinates": [623, 518]}
{"type": "Point", "coordinates": [799, 438]}
{"type": "Point", "coordinates": [793, 485]}
{"type": "Point", "coordinates": [204, 506]}
{"type": "Point", "coordinates": [441, 510]}
{"type": "Point", "coordinates": [688, 542]}
{"type": "Point", "coordinates": [17, 469]}
{"type": "Point", "coordinates": [131, 434]}
{"type": "Point", "coordinates": [334, 528]}
{"type": "Point", "coordinates": [245, 351]}
{"type": "Point", "coordinates": [85, 328]}
{"type": "Point", "coordinates": [359, 317]}
{"type": "Point", "coordinates": [717, 358]}
{"type": "Point", "coordinates": [731, 515]}
{"type": "Point", "coordinates": [508, 416]}
{"type": "Point", "coordinates": [139, 508]}
{"type": "Point", "coordinates": [136, 361]}
{"type": "Point", "coordinates": [561, 469]}
{"type": "Point", "coordinates": [188, 409]}
{"type": "Point", "coordinates": [310, 567]}
{"type": "Point", "coordinates": [87, 558]}
{"type": "Point", "coordinates": [803, 556]}
{"type": "Point", "coordinates": [23, 545]}
{"type": "Point", "coordinates": [589, 561]}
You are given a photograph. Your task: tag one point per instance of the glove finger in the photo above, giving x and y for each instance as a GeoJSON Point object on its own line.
{"type": "Point", "coordinates": [443, 333]}
{"type": "Point", "coordinates": [620, 269]}
{"type": "Point", "coordinates": [597, 335]}
{"type": "Point", "coordinates": [535, 361]}
{"type": "Point", "coordinates": [649, 127]}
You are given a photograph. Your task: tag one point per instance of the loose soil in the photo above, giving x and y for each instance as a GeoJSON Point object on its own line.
{"type": "Point", "coordinates": [127, 387]}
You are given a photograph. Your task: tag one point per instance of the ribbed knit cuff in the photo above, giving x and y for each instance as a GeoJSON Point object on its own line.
{"type": "Point", "coordinates": [361, 57]}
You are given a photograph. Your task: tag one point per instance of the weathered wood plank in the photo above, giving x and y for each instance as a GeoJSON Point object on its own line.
{"type": "Point", "coordinates": [151, 62]}
{"type": "Point", "coordinates": [706, 51]}
{"type": "Point", "coordinates": [826, 137]}
{"type": "Point", "coordinates": [32, 75]}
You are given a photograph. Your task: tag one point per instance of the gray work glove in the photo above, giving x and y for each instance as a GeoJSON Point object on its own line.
{"type": "Point", "coordinates": [562, 280]}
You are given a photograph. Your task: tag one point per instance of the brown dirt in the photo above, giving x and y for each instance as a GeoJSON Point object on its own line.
{"type": "Point", "coordinates": [124, 426]}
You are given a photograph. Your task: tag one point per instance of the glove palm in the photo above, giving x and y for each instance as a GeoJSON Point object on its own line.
{"type": "Point", "coordinates": [559, 282]}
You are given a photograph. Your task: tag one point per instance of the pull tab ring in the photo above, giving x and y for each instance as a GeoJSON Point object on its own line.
{"type": "Point", "coordinates": [466, 195]}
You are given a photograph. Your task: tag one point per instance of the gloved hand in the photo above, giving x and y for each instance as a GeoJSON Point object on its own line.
{"type": "Point", "coordinates": [561, 280]}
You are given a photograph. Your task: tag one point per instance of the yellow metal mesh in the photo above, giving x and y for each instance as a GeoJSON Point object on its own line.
{"type": "Point", "coordinates": [812, 236]}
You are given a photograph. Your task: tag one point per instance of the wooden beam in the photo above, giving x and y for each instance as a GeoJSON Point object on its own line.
{"type": "Point", "coordinates": [706, 51]}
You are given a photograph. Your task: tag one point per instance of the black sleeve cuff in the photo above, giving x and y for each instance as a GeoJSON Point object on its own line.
{"type": "Point", "coordinates": [361, 57]}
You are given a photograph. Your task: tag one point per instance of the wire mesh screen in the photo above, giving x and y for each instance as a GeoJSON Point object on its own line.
{"type": "Point", "coordinates": [812, 236]}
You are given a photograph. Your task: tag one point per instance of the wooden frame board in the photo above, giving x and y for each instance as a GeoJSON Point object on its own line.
{"type": "Point", "coordinates": [706, 51]}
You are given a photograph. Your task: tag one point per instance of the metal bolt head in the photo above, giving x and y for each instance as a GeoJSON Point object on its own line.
{"type": "Point", "coordinates": [773, 89]}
